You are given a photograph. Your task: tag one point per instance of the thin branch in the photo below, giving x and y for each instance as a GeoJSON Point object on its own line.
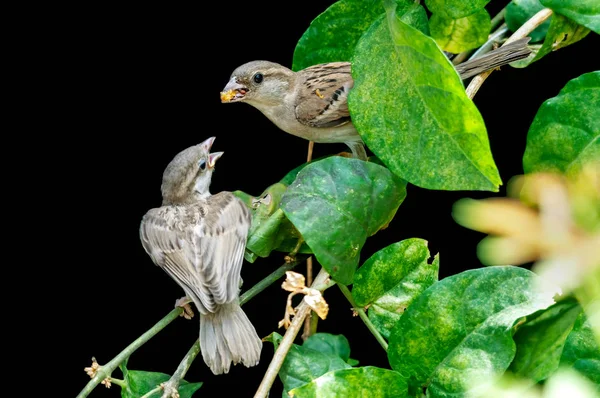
{"type": "Point", "coordinates": [320, 283]}
{"type": "Point", "coordinates": [361, 313]}
{"type": "Point", "coordinates": [309, 279]}
{"type": "Point", "coordinates": [488, 45]}
{"type": "Point", "coordinates": [172, 385]}
{"type": "Point", "coordinates": [106, 370]}
{"type": "Point", "coordinates": [498, 18]}
{"type": "Point", "coordinates": [268, 280]}
{"type": "Point", "coordinates": [151, 392]}
{"type": "Point", "coordinates": [309, 263]}
{"type": "Point", "coordinates": [522, 32]}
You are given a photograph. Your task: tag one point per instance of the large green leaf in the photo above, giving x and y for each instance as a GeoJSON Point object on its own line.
{"type": "Point", "coordinates": [584, 12]}
{"type": "Point", "coordinates": [391, 279]}
{"type": "Point", "coordinates": [367, 381]}
{"type": "Point", "coordinates": [302, 365]}
{"type": "Point", "coordinates": [332, 36]}
{"type": "Point", "coordinates": [562, 32]}
{"type": "Point", "coordinates": [540, 341]}
{"type": "Point", "coordinates": [327, 343]}
{"type": "Point", "coordinates": [455, 8]}
{"type": "Point", "coordinates": [519, 11]}
{"type": "Point", "coordinates": [336, 204]}
{"type": "Point", "coordinates": [582, 352]}
{"type": "Point", "coordinates": [270, 229]}
{"type": "Point", "coordinates": [462, 34]}
{"type": "Point", "coordinates": [410, 107]}
{"type": "Point", "coordinates": [458, 333]}
{"type": "Point", "coordinates": [141, 382]}
{"type": "Point", "coordinates": [565, 133]}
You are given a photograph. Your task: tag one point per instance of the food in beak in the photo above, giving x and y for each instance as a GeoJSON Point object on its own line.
{"type": "Point", "coordinates": [227, 96]}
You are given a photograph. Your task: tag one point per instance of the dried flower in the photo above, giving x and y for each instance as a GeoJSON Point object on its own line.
{"type": "Point", "coordinates": [92, 370]}
{"type": "Point", "coordinates": [295, 283]}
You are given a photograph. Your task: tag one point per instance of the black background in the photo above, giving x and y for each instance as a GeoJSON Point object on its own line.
{"type": "Point", "coordinates": [139, 84]}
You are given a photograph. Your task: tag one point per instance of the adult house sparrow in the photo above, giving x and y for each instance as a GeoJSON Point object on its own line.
{"type": "Point", "coordinates": [199, 240]}
{"type": "Point", "coordinates": [313, 103]}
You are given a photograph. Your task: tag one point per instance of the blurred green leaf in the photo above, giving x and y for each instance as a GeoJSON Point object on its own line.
{"type": "Point", "coordinates": [462, 34]}
{"type": "Point", "coordinates": [336, 204]}
{"type": "Point", "coordinates": [540, 341]}
{"type": "Point", "coordinates": [327, 343]}
{"type": "Point", "coordinates": [332, 36]}
{"type": "Point", "coordinates": [458, 333]}
{"type": "Point", "coordinates": [391, 279]}
{"type": "Point", "coordinates": [455, 8]}
{"type": "Point", "coordinates": [411, 109]}
{"type": "Point", "coordinates": [581, 351]}
{"type": "Point", "coordinates": [141, 382]}
{"type": "Point", "coordinates": [584, 12]}
{"type": "Point", "coordinates": [302, 365]}
{"type": "Point", "coordinates": [562, 32]}
{"type": "Point", "coordinates": [520, 11]}
{"type": "Point", "coordinates": [565, 133]}
{"type": "Point", "coordinates": [367, 381]}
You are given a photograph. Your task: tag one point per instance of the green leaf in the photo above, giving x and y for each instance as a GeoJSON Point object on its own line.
{"type": "Point", "coordinates": [336, 204]}
{"type": "Point", "coordinates": [457, 333]}
{"type": "Point", "coordinates": [455, 8]}
{"type": "Point", "coordinates": [367, 381]}
{"type": "Point", "coordinates": [334, 344]}
{"type": "Point", "coordinates": [565, 133]}
{"type": "Point", "coordinates": [581, 351]}
{"type": "Point", "coordinates": [540, 341]}
{"type": "Point", "coordinates": [302, 365]}
{"type": "Point", "coordinates": [391, 279]}
{"type": "Point", "coordinates": [140, 382]}
{"type": "Point", "coordinates": [411, 109]}
{"type": "Point", "coordinates": [332, 36]}
{"type": "Point", "coordinates": [520, 11]}
{"type": "Point", "coordinates": [462, 34]}
{"type": "Point", "coordinates": [561, 33]}
{"type": "Point", "coordinates": [584, 12]}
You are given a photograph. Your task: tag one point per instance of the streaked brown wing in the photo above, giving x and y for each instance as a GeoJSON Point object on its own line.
{"type": "Point", "coordinates": [323, 97]}
{"type": "Point", "coordinates": [200, 246]}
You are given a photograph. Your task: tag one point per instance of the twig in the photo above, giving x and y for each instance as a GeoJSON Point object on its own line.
{"type": "Point", "coordinates": [487, 46]}
{"type": "Point", "coordinates": [106, 370]}
{"type": "Point", "coordinates": [172, 385]}
{"type": "Point", "coordinates": [523, 31]}
{"type": "Point", "coordinates": [498, 18]}
{"type": "Point", "coordinates": [151, 392]}
{"type": "Point", "coordinates": [320, 283]}
{"type": "Point", "coordinates": [309, 264]}
{"type": "Point", "coordinates": [361, 313]}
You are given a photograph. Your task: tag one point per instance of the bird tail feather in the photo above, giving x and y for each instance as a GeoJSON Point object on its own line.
{"type": "Point", "coordinates": [227, 336]}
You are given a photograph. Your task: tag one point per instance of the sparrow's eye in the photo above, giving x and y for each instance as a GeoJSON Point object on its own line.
{"type": "Point", "coordinates": [258, 78]}
{"type": "Point", "coordinates": [202, 164]}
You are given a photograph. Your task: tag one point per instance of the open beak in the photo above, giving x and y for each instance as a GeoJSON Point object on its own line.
{"type": "Point", "coordinates": [233, 91]}
{"type": "Point", "coordinates": [207, 143]}
{"type": "Point", "coordinates": [213, 157]}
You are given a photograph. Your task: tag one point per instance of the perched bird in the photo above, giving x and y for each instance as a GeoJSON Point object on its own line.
{"type": "Point", "coordinates": [199, 240]}
{"type": "Point", "coordinates": [313, 103]}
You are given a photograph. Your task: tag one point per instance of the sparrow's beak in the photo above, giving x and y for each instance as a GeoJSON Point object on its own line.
{"type": "Point", "coordinates": [213, 157]}
{"type": "Point", "coordinates": [233, 91]}
{"type": "Point", "coordinates": [207, 143]}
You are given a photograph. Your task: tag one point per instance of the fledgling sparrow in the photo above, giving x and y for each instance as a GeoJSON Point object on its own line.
{"type": "Point", "coordinates": [313, 103]}
{"type": "Point", "coordinates": [199, 240]}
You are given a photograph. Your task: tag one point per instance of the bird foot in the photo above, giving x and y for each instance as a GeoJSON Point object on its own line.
{"type": "Point", "coordinates": [184, 303]}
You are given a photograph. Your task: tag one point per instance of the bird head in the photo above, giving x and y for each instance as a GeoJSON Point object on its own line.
{"type": "Point", "coordinates": [187, 177]}
{"type": "Point", "coordinates": [258, 83]}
